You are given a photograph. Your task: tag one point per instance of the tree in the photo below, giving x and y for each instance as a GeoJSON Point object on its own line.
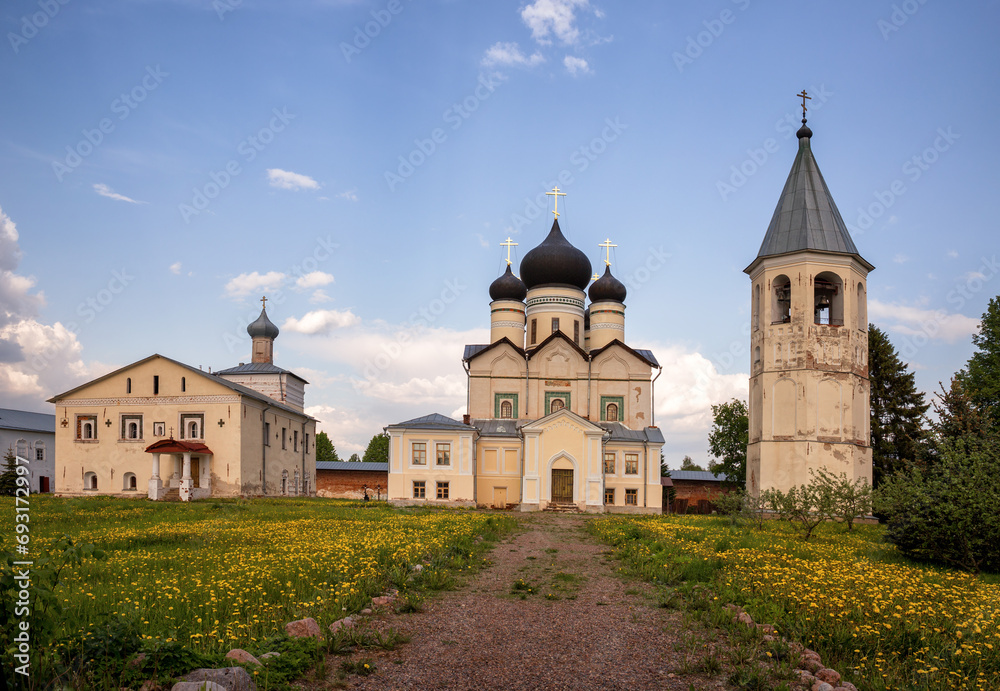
{"type": "Point", "coordinates": [378, 449]}
{"type": "Point", "coordinates": [354, 458]}
{"type": "Point", "coordinates": [958, 415]}
{"type": "Point", "coordinates": [688, 464]}
{"type": "Point", "coordinates": [727, 442]}
{"type": "Point", "coordinates": [898, 435]}
{"type": "Point", "coordinates": [981, 376]}
{"type": "Point", "coordinates": [664, 468]}
{"type": "Point", "coordinates": [8, 479]}
{"type": "Point", "coordinates": [325, 450]}
{"type": "Point", "coordinates": [852, 500]}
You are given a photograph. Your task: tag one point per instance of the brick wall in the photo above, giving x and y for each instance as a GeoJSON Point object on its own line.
{"type": "Point", "coordinates": [691, 495]}
{"type": "Point", "coordinates": [348, 484]}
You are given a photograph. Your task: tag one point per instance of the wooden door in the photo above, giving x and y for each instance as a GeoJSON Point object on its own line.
{"type": "Point", "coordinates": [562, 485]}
{"type": "Point", "coordinates": [499, 497]}
{"type": "Point", "coordinates": [43, 487]}
{"type": "Point", "coordinates": [196, 471]}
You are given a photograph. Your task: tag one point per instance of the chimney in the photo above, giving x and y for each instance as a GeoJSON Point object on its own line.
{"type": "Point", "coordinates": [466, 419]}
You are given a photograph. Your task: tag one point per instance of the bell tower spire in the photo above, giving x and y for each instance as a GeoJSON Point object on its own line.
{"type": "Point", "coordinates": [263, 333]}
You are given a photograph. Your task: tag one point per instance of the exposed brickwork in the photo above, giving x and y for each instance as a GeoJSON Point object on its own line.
{"type": "Point", "coordinates": [348, 484]}
{"type": "Point", "coordinates": [689, 494]}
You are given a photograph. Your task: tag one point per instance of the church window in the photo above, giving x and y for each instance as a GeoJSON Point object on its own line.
{"type": "Point", "coordinates": [39, 451]}
{"type": "Point", "coordinates": [419, 489]}
{"type": "Point", "coordinates": [86, 427]}
{"type": "Point", "coordinates": [267, 434]}
{"type": "Point", "coordinates": [612, 408]}
{"type": "Point", "coordinates": [505, 405]}
{"type": "Point", "coordinates": [284, 482]}
{"type": "Point", "coordinates": [555, 324]}
{"type": "Point", "coordinates": [22, 448]}
{"type": "Point", "coordinates": [506, 410]}
{"type": "Point", "coordinates": [284, 437]}
{"type": "Point", "coordinates": [129, 483]}
{"type": "Point", "coordinates": [192, 425]}
{"type": "Point", "coordinates": [295, 440]}
{"type": "Point", "coordinates": [609, 463]}
{"type": "Point", "coordinates": [609, 495]}
{"type": "Point", "coordinates": [305, 443]}
{"type": "Point", "coordinates": [862, 308]}
{"type": "Point", "coordinates": [131, 427]}
{"type": "Point", "coordinates": [556, 404]}
{"type": "Point", "coordinates": [612, 414]}
{"type": "Point", "coordinates": [419, 449]}
{"type": "Point", "coordinates": [442, 490]}
{"type": "Point", "coordinates": [128, 385]}
{"type": "Point", "coordinates": [156, 384]}
{"type": "Point", "coordinates": [295, 484]}
{"type": "Point", "coordinates": [534, 331]}
{"type": "Point", "coordinates": [556, 400]}
{"type": "Point", "coordinates": [444, 454]}
{"type": "Point", "coordinates": [828, 299]}
{"type": "Point", "coordinates": [631, 464]}
{"type": "Point", "coordinates": [756, 307]}
{"type": "Point", "coordinates": [756, 356]}
{"type": "Point", "coordinates": [781, 302]}
{"type": "Point", "coordinates": [576, 332]}
{"type": "Point", "coordinates": [183, 384]}
{"type": "Point", "coordinates": [90, 481]}
{"type": "Point", "coordinates": [631, 497]}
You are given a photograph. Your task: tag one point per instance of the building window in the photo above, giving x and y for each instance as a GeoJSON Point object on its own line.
{"type": "Point", "coordinates": [506, 410]}
{"type": "Point", "coordinates": [192, 425]}
{"type": "Point", "coordinates": [295, 440]}
{"type": "Point", "coordinates": [756, 355]}
{"type": "Point", "coordinates": [631, 497]}
{"type": "Point", "coordinates": [609, 463]}
{"type": "Point", "coordinates": [534, 331]}
{"type": "Point", "coordinates": [267, 434]}
{"type": "Point", "coordinates": [128, 385]}
{"type": "Point", "coordinates": [556, 404]}
{"type": "Point", "coordinates": [419, 489]}
{"type": "Point", "coordinates": [419, 453]}
{"type": "Point", "coordinates": [555, 324]}
{"type": "Point", "coordinates": [612, 408]}
{"type": "Point", "coordinates": [284, 483]}
{"type": "Point", "coordinates": [22, 448]}
{"type": "Point", "coordinates": [781, 300]}
{"type": "Point", "coordinates": [159, 429]}
{"type": "Point", "coordinates": [862, 308]}
{"type": "Point", "coordinates": [131, 427]}
{"type": "Point", "coordinates": [828, 299]}
{"type": "Point", "coordinates": [86, 427]}
{"type": "Point", "coordinates": [90, 481]}
{"type": "Point", "coordinates": [609, 495]}
{"type": "Point", "coordinates": [39, 451]}
{"type": "Point", "coordinates": [631, 464]}
{"type": "Point", "coordinates": [156, 384]}
{"type": "Point", "coordinates": [305, 443]}
{"type": "Point", "coordinates": [184, 386]}
{"type": "Point", "coordinates": [444, 454]}
{"type": "Point", "coordinates": [128, 482]}
{"type": "Point", "coordinates": [284, 437]}
{"type": "Point", "coordinates": [442, 490]}
{"type": "Point", "coordinates": [551, 399]}
{"type": "Point", "coordinates": [612, 412]}
{"type": "Point", "coordinates": [505, 405]}
{"type": "Point", "coordinates": [576, 332]}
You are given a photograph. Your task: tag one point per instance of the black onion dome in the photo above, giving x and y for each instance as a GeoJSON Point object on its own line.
{"type": "Point", "coordinates": [607, 287]}
{"type": "Point", "coordinates": [508, 287]}
{"type": "Point", "coordinates": [555, 261]}
{"type": "Point", "coordinates": [262, 328]}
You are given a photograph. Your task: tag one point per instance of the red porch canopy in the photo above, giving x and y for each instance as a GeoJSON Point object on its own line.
{"type": "Point", "coordinates": [178, 446]}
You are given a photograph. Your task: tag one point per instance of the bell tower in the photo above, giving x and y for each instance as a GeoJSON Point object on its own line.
{"type": "Point", "coordinates": [809, 391]}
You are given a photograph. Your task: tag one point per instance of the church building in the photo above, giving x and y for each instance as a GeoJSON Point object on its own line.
{"type": "Point", "coordinates": [165, 430]}
{"type": "Point", "coordinates": [809, 392]}
{"type": "Point", "coordinates": [560, 408]}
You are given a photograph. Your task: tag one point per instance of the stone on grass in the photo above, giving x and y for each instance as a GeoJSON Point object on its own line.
{"type": "Point", "coordinates": [811, 665]}
{"type": "Point", "coordinates": [268, 656]}
{"type": "Point", "coordinates": [136, 662]}
{"type": "Point", "coordinates": [830, 676]}
{"type": "Point", "coordinates": [197, 686]}
{"type": "Point", "coordinates": [366, 611]}
{"type": "Point", "coordinates": [745, 618]}
{"type": "Point", "coordinates": [229, 678]}
{"type": "Point", "coordinates": [345, 623]}
{"type": "Point", "coordinates": [303, 628]}
{"type": "Point", "coordinates": [243, 656]}
{"type": "Point", "coordinates": [383, 600]}
{"type": "Point", "coordinates": [766, 628]}
{"type": "Point", "coordinates": [150, 685]}
{"type": "Point", "coordinates": [847, 686]}
{"type": "Point", "coordinates": [821, 686]}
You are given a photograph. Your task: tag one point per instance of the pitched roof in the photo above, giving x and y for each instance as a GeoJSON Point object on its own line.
{"type": "Point", "coordinates": [701, 475]}
{"type": "Point", "coordinates": [806, 217]}
{"type": "Point", "coordinates": [238, 388]}
{"type": "Point", "coordinates": [28, 422]}
{"type": "Point", "coordinates": [552, 337]}
{"type": "Point", "coordinates": [620, 432]}
{"type": "Point", "coordinates": [472, 351]}
{"type": "Point", "coordinates": [432, 421]}
{"type": "Point", "coordinates": [492, 427]}
{"type": "Point", "coordinates": [645, 355]}
{"type": "Point", "coordinates": [257, 368]}
{"type": "Point", "coordinates": [352, 465]}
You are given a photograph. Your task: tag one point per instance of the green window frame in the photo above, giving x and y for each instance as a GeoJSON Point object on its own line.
{"type": "Point", "coordinates": [499, 398]}
{"type": "Point", "coordinates": [550, 395]}
{"type": "Point", "coordinates": [618, 401]}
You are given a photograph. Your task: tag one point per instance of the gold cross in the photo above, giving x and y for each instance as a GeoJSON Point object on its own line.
{"type": "Point", "coordinates": [263, 301]}
{"type": "Point", "coordinates": [607, 247]}
{"type": "Point", "coordinates": [508, 245]}
{"type": "Point", "coordinates": [556, 193]}
{"type": "Point", "coordinates": [804, 98]}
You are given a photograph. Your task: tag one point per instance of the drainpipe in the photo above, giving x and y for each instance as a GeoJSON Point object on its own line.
{"type": "Point", "coordinates": [468, 386]}
{"type": "Point", "coordinates": [652, 398]}
{"type": "Point", "coordinates": [590, 365]}
{"type": "Point", "coordinates": [263, 451]}
{"type": "Point", "coordinates": [645, 470]}
{"type": "Point", "coordinates": [304, 455]}
{"type": "Point", "coordinates": [527, 393]}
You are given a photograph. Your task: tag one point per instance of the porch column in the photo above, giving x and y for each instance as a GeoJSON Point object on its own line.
{"type": "Point", "coordinates": [186, 482]}
{"type": "Point", "coordinates": [155, 483]}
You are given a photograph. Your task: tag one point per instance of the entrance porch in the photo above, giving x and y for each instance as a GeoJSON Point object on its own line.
{"type": "Point", "coordinates": [190, 469]}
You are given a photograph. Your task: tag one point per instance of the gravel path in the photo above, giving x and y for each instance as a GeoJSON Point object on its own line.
{"type": "Point", "coordinates": [594, 631]}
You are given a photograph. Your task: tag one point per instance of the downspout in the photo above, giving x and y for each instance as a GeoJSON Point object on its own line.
{"type": "Point", "coordinates": [590, 365]}
{"type": "Point", "coordinates": [652, 398]}
{"type": "Point", "coordinates": [468, 386]}
{"type": "Point", "coordinates": [263, 451]}
{"type": "Point", "coordinates": [304, 456]}
{"type": "Point", "coordinates": [527, 392]}
{"type": "Point", "coordinates": [645, 470]}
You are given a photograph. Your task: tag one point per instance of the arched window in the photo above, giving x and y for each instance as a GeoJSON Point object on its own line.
{"type": "Point", "coordinates": [756, 307]}
{"type": "Point", "coordinates": [39, 450]}
{"type": "Point", "coordinates": [557, 404]}
{"type": "Point", "coordinates": [88, 430]}
{"type": "Point", "coordinates": [756, 356]}
{"type": "Point", "coordinates": [133, 430]}
{"type": "Point", "coordinates": [612, 412]}
{"type": "Point", "coordinates": [781, 300]}
{"type": "Point", "coordinates": [128, 385]}
{"type": "Point", "coordinates": [193, 432]}
{"type": "Point", "coordinates": [828, 299]}
{"type": "Point", "coordinates": [22, 449]}
{"type": "Point", "coordinates": [506, 410]}
{"type": "Point", "coordinates": [129, 482]}
{"type": "Point", "coordinates": [862, 308]}
{"type": "Point", "coordinates": [90, 481]}
{"type": "Point", "coordinates": [295, 487]}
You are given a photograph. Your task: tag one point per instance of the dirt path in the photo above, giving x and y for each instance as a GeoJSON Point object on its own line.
{"type": "Point", "coordinates": [580, 627]}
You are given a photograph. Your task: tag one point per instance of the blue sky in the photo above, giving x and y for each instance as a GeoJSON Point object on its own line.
{"type": "Point", "coordinates": [164, 163]}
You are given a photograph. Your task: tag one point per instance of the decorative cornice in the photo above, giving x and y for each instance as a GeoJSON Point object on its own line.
{"type": "Point", "coordinates": [149, 400]}
{"type": "Point", "coordinates": [607, 325]}
{"type": "Point", "coordinates": [555, 299]}
{"type": "Point", "coordinates": [508, 325]}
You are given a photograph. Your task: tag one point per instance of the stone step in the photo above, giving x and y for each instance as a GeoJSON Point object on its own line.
{"type": "Point", "coordinates": [556, 507]}
{"type": "Point", "coordinates": [172, 494]}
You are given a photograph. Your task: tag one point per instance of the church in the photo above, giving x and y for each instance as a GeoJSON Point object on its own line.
{"type": "Point", "coordinates": [168, 431]}
{"type": "Point", "coordinates": [560, 408]}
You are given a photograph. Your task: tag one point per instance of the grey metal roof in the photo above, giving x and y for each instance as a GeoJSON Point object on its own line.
{"type": "Point", "coordinates": [257, 368]}
{"type": "Point", "coordinates": [432, 421]}
{"type": "Point", "coordinates": [489, 427]}
{"type": "Point", "coordinates": [473, 350]}
{"type": "Point", "coordinates": [701, 475]}
{"type": "Point", "coordinates": [352, 465]}
{"type": "Point", "coordinates": [29, 422]}
{"type": "Point", "coordinates": [806, 217]}
{"type": "Point", "coordinates": [648, 354]}
{"type": "Point", "coordinates": [620, 432]}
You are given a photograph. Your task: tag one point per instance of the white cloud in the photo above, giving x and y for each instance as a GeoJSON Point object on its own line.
{"type": "Point", "coordinates": [687, 389]}
{"type": "Point", "coordinates": [574, 65]}
{"type": "Point", "coordinates": [348, 430]}
{"type": "Point", "coordinates": [287, 180]}
{"type": "Point", "coordinates": [319, 296]}
{"type": "Point", "coordinates": [321, 322]}
{"type": "Point", "coordinates": [900, 259]}
{"type": "Point", "coordinates": [483, 242]}
{"type": "Point", "coordinates": [937, 325]}
{"type": "Point", "coordinates": [553, 17]}
{"type": "Point", "coordinates": [509, 54]}
{"type": "Point", "coordinates": [350, 195]}
{"type": "Point", "coordinates": [106, 191]}
{"type": "Point", "coordinates": [430, 391]}
{"type": "Point", "coordinates": [313, 279]}
{"type": "Point", "coordinates": [245, 284]}
{"type": "Point", "coordinates": [952, 254]}
{"type": "Point", "coordinates": [175, 268]}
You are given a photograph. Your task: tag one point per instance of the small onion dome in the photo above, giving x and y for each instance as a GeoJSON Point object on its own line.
{"type": "Point", "coordinates": [804, 131]}
{"type": "Point", "coordinates": [607, 287]}
{"type": "Point", "coordinates": [262, 328]}
{"type": "Point", "coordinates": [508, 287]}
{"type": "Point", "coordinates": [555, 261]}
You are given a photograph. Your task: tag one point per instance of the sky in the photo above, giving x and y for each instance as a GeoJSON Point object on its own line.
{"type": "Point", "coordinates": [165, 163]}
